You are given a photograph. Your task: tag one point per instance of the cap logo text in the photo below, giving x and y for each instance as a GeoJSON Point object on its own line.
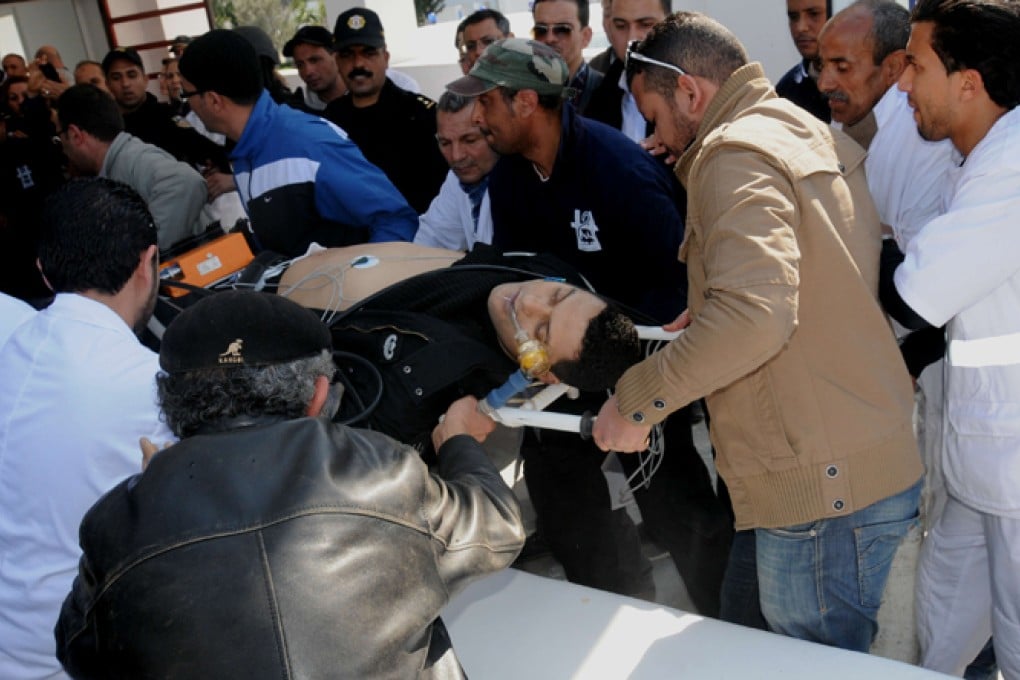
{"type": "Point", "coordinates": [233, 353]}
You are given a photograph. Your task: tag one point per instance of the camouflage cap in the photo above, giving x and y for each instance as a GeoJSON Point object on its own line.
{"type": "Point", "coordinates": [516, 64]}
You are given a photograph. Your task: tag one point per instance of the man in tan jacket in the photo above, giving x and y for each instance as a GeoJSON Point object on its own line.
{"type": "Point", "coordinates": [810, 400]}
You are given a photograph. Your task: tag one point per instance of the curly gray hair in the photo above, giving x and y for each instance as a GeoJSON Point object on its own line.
{"type": "Point", "coordinates": [193, 399]}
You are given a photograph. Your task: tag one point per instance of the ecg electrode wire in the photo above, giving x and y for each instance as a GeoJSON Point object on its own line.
{"type": "Point", "coordinates": [649, 460]}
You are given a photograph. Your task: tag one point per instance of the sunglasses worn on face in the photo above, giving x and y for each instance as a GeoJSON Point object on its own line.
{"type": "Point", "coordinates": [559, 30]}
{"type": "Point", "coordinates": [634, 55]}
{"type": "Point", "coordinates": [188, 95]}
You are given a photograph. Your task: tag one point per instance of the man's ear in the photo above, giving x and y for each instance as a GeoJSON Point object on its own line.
{"type": "Point", "coordinates": [215, 100]}
{"type": "Point", "coordinates": [74, 134]}
{"type": "Point", "coordinates": [682, 94]}
{"type": "Point", "coordinates": [892, 67]}
{"type": "Point", "coordinates": [148, 265]}
{"type": "Point", "coordinates": [971, 84]}
{"type": "Point", "coordinates": [525, 102]}
{"type": "Point", "coordinates": [318, 399]}
{"type": "Point", "coordinates": [586, 36]}
{"type": "Point", "coordinates": [697, 91]}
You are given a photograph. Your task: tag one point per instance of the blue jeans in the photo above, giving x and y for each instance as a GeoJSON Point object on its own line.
{"type": "Point", "coordinates": [823, 581]}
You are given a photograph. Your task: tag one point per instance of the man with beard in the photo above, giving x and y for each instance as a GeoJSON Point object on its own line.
{"type": "Point", "coordinates": [963, 82]}
{"type": "Point", "coordinates": [394, 128]}
{"type": "Point", "coordinates": [782, 260]}
{"type": "Point", "coordinates": [79, 392]}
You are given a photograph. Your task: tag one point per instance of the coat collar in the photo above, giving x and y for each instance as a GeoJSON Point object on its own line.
{"type": "Point", "coordinates": [745, 86]}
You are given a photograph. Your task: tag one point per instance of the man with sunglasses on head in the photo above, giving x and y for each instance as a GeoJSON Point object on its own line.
{"type": "Point", "coordinates": [811, 403]}
{"type": "Point", "coordinates": [563, 26]}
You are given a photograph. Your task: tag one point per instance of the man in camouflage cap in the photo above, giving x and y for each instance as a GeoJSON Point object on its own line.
{"type": "Point", "coordinates": [602, 204]}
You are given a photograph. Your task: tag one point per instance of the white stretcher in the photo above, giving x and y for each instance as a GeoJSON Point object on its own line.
{"type": "Point", "coordinates": [514, 625]}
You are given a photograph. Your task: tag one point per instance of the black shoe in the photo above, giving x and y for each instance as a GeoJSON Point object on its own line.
{"type": "Point", "coordinates": [534, 546]}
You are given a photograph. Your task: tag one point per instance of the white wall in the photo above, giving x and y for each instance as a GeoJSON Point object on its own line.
{"type": "Point", "coordinates": [426, 53]}
{"type": "Point", "coordinates": [93, 32]}
{"type": "Point", "coordinates": [50, 22]}
{"type": "Point", "coordinates": [760, 25]}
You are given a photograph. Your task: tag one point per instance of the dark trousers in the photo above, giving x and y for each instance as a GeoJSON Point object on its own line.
{"type": "Point", "coordinates": [597, 546]}
{"type": "Point", "coordinates": [683, 514]}
{"type": "Point", "coordinates": [600, 547]}
{"type": "Point", "coordinates": [740, 597]}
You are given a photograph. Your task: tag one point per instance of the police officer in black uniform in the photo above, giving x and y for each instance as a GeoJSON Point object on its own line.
{"type": "Point", "coordinates": [394, 128]}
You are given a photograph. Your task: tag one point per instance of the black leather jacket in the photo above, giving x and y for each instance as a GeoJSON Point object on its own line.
{"type": "Point", "coordinates": [297, 549]}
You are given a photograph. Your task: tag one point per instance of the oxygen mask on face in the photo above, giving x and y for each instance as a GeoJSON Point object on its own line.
{"type": "Point", "coordinates": [532, 355]}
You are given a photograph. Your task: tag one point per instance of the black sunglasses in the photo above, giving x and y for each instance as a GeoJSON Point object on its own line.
{"type": "Point", "coordinates": [188, 95]}
{"type": "Point", "coordinates": [560, 30]}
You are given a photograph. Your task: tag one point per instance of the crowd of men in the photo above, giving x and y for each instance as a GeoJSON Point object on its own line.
{"type": "Point", "coordinates": [836, 252]}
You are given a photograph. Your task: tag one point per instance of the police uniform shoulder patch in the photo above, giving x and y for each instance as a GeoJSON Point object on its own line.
{"type": "Point", "coordinates": [425, 101]}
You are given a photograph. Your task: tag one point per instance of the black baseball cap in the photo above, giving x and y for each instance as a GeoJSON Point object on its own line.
{"type": "Point", "coordinates": [179, 40]}
{"type": "Point", "coordinates": [125, 53]}
{"type": "Point", "coordinates": [309, 35]}
{"type": "Point", "coordinates": [359, 26]}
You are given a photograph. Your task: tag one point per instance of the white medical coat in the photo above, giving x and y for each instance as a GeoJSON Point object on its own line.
{"type": "Point", "coordinates": [78, 392]}
{"type": "Point", "coordinates": [448, 223]}
{"type": "Point", "coordinates": [906, 174]}
{"type": "Point", "coordinates": [963, 268]}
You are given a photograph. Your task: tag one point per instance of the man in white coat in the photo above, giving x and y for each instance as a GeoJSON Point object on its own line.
{"type": "Point", "coordinates": [459, 216]}
{"type": "Point", "coordinates": [963, 81]}
{"type": "Point", "coordinates": [79, 390]}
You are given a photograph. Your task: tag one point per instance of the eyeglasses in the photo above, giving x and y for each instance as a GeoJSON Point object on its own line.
{"type": "Point", "coordinates": [559, 30]}
{"type": "Point", "coordinates": [481, 43]}
{"type": "Point", "coordinates": [188, 95]}
{"type": "Point", "coordinates": [634, 55]}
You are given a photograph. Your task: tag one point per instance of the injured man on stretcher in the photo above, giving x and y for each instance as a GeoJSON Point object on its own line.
{"type": "Point", "coordinates": [416, 328]}
{"type": "Point", "coordinates": [589, 342]}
